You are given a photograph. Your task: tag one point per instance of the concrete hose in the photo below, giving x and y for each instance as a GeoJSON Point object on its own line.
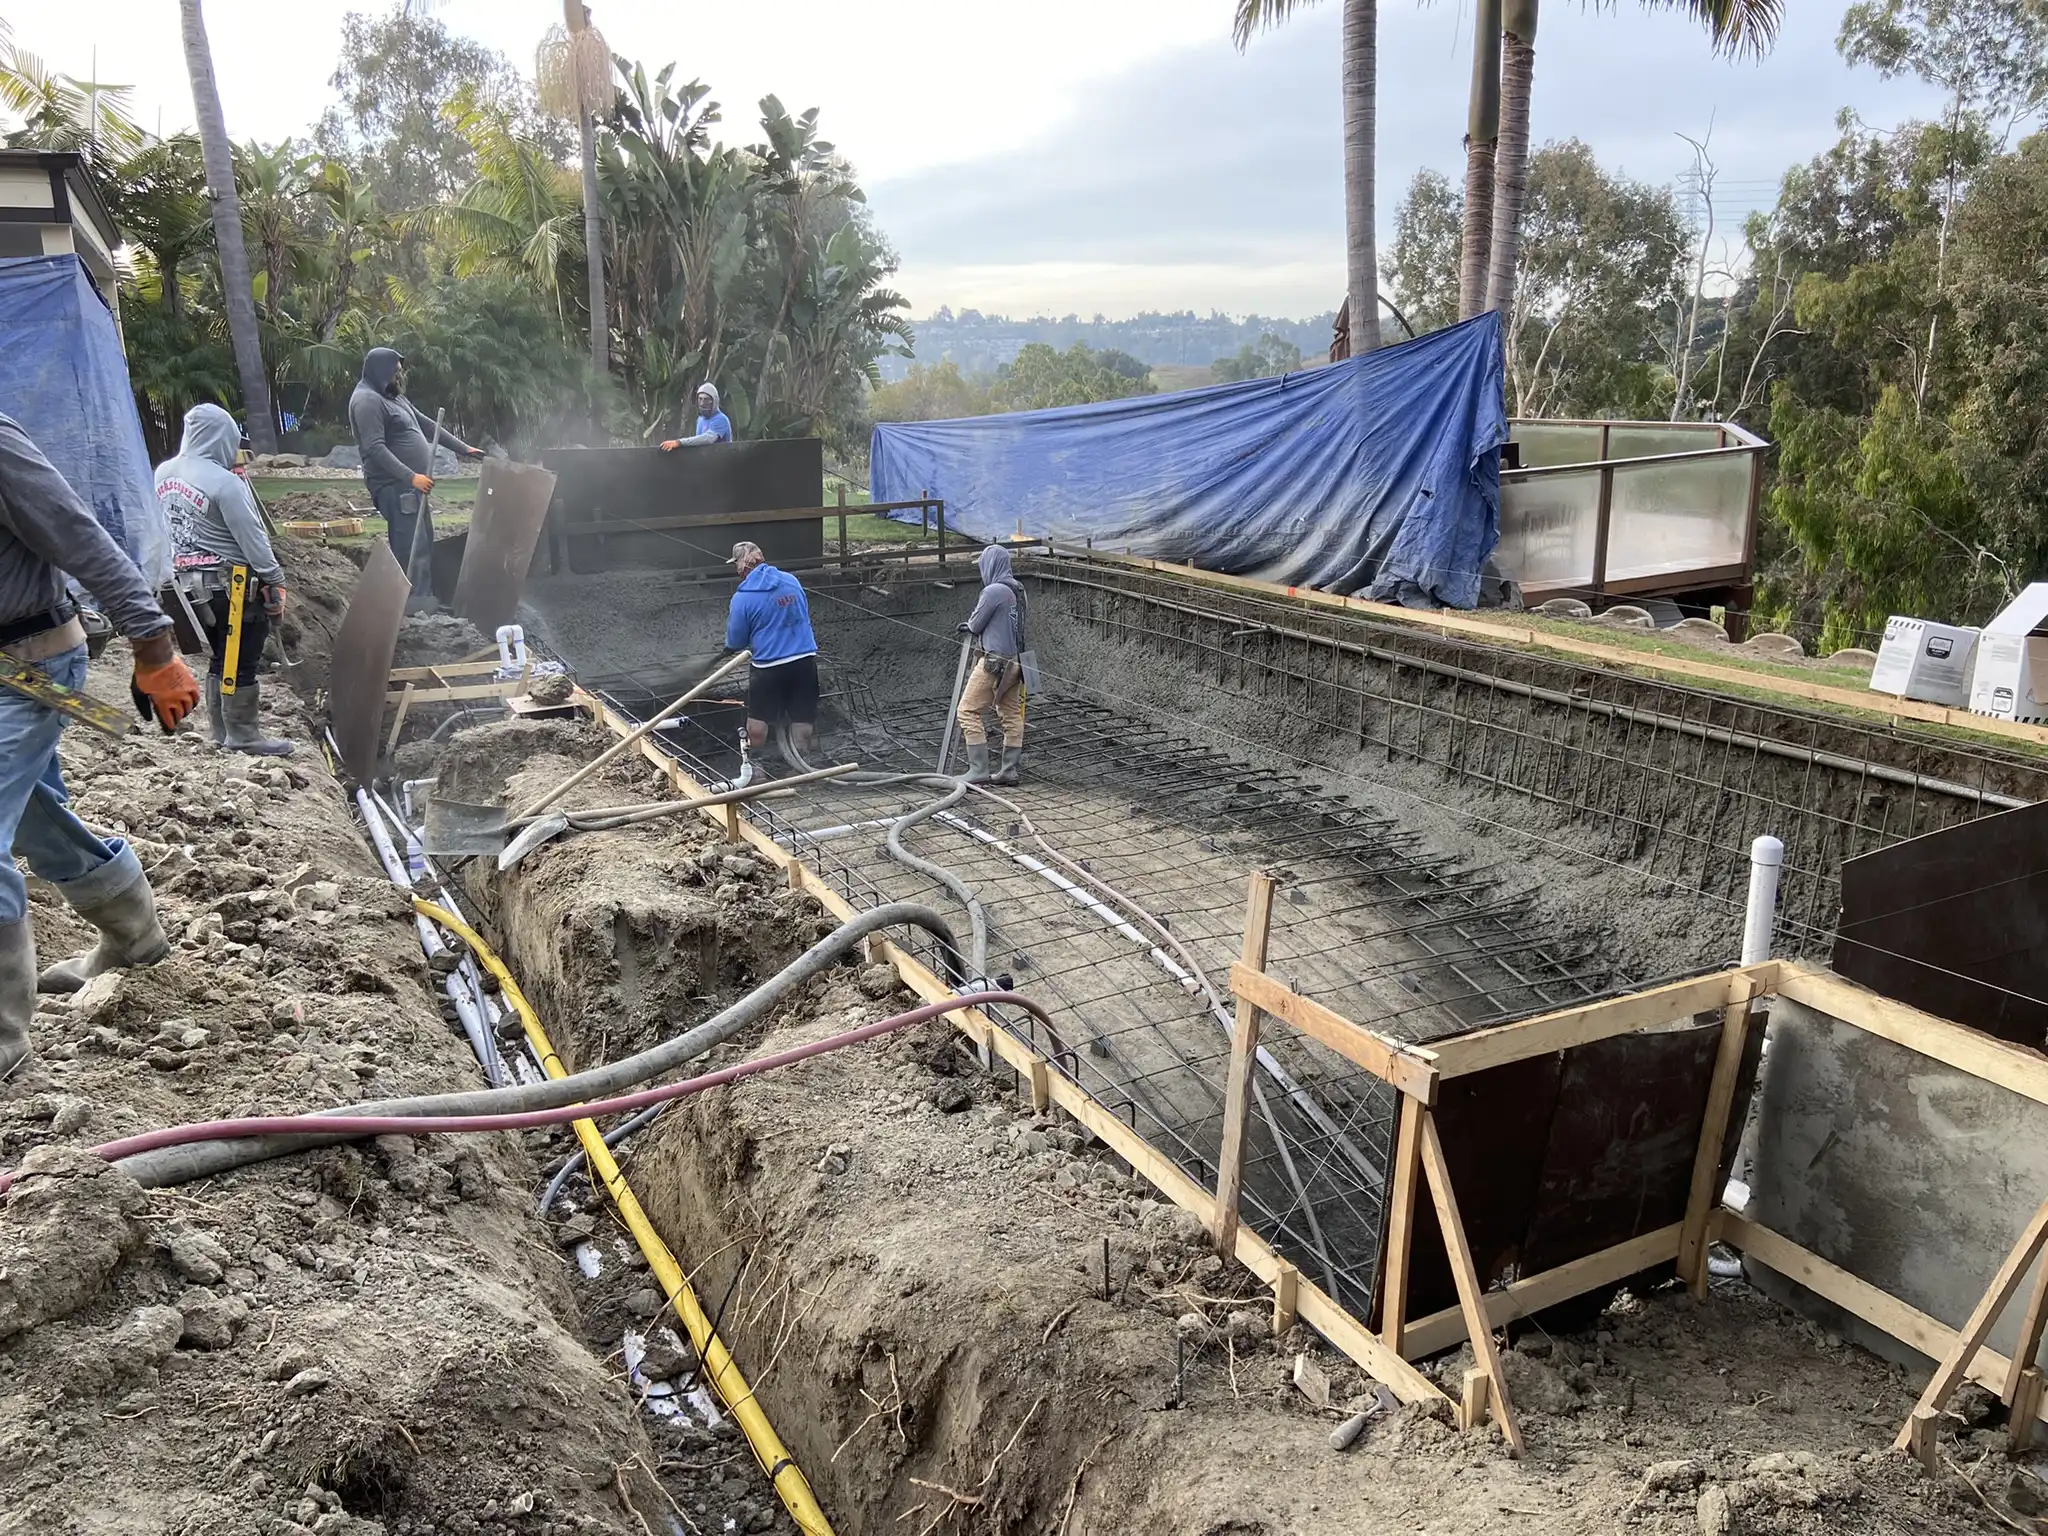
{"type": "Point", "coordinates": [181, 1165]}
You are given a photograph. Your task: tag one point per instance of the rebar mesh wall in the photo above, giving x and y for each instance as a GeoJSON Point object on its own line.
{"type": "Point", "coordinates": [1671, 781]}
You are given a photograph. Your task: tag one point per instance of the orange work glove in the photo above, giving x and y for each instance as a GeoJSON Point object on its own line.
{"type": "Point", "coordinates": [423, 483]}
{"type": "Point", "coordinates": [163, 685]}
{"type": "Point", "coordinates": [672, 445]}
{"type": "Point", "coordinates": [273, 599]}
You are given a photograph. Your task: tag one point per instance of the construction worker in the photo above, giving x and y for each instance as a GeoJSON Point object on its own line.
{"type": "Point", "coordinates": [712, 426]}
{"type": "Point", "coordinates": [771, 618]}
{"type": "Point", "coordinates": [45, 532]}
{"type": "Point", "coordinates": [398, 459]}
{"type": "Point", "coordinates": [997, 679]}
{"type": "Point", "coordinates": [225, 567]}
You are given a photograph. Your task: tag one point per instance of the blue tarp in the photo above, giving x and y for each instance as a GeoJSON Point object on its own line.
{"type": "Point", "coordinates": [64, 378]}
{"type": "Point", "coordinates": [1376, 476]}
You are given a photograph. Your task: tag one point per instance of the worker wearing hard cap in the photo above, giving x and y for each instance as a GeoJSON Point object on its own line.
{"type": "Point", "coordinates": [712, 426]}
{"type": "Point", "coordinates": [45, 532]}
{"type": "Point", "coordinates": [770, 617]}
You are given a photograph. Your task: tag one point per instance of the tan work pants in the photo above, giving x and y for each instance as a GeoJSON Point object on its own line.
{"type": "Point", "coordinates": [1004, 696]}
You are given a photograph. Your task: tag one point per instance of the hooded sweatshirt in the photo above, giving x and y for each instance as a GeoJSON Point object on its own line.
{"type": "Point", "coordinates": [770, 617]}
{"type": "Point", "coordinates": [998, 617]}
{"type": "Point", "coordinates": [45, 531]}
{"type": "Point", "coordinates": [713, 428]}
{"type": "Point", "coordinates": [389, 428]}
{"type": "Point", "coordinates": [211, 510]}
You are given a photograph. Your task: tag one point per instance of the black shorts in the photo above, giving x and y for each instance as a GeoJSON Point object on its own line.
{"type": "Point", "coordinates": [790, 689]}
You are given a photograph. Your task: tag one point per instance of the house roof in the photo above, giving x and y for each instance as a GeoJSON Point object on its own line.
{"type": "Point", "coordinates": [71, 193]}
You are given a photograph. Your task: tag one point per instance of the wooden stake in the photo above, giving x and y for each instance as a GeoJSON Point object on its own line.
{"type": "Point", "coordinates": [1950, 1374]}
{"type": "Point", "coordinates": [1472, 1403]}
{"type": "Point", "coordinates": [2029, 1341]}
{"type": "Point", "coordinates": [1286, 1288]}
{"type": "Point", "coordinates": [1401, 1224]}
{"type": "Point", "coordinates": [1706, 1158]}
{"type": "Point", "coordinates": [1466, 1274]}
{"type": "Point", "coordinates": [730, 814]}
{"type": "Point", "coordinates": [398, 720]}
{"type": "Point", "coordinates": [2026, 1407]}
{"type": "Point", "coordinates": [1041, 1085]}
{"type": "Point", "coordinates": [1918, 1437]}
{"type": "Point", "coordinates": [1244, 1045]}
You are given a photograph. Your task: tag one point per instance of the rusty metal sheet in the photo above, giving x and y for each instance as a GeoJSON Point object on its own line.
{"type": "Point", "coordinates": [1494, 1126]}
{"type": "Point", "coordinates": [1619, 1160]}
{"type": "Point", "coordinates": [1956, 922]}
{"type": "Point", "coordinates": [511, 505]}
{"type": "Point", "coordinates": [361, 668]}
{"type": "Point", "coordinates": [613, 486]}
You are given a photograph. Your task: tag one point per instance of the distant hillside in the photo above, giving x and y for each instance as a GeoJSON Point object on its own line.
{"type": "Point", "coordinates": [979, 344]}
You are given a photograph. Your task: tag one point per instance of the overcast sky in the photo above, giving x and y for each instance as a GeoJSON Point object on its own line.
{"type": "Point", "coordinates": [1084, 155]}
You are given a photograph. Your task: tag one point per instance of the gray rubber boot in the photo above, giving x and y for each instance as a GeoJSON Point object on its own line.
{"type": "Point", "coordinates": [17, 997]}
{"type": "Point", "coordinates": [1012, 770]}
{"type": "Point", "coordinates": [130, 935]}
{"type": "Point", "coordinates": [216, 720]}
{"type": "Point", "coordinates": [977, 762]}
{"type": "Point", "coordinates": [243, 735]}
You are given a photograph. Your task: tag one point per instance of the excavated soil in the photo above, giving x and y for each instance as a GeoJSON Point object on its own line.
{"type": "Point", "coordinates": [376, 1338]}
{"type": "Point", "coordinates": [910, 1265]}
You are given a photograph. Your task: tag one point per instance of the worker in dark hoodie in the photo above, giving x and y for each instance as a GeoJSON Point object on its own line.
{"type": "Point", "coordinates": [398, 457]}
{"type": "Point", "coordinates": [227, 570]}
{"type": "Point", "coordinates": [997, 680]}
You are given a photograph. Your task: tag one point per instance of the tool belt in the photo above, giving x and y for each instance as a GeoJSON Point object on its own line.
{"type": "Point", "coordinates": [17, 630]}
{"type": "Point", "coordinates": [200, 577]}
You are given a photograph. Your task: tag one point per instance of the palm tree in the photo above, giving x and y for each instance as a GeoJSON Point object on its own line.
{"type": "Point", "coordinates": [1361, 115]}
{"type": "Point", "coordinates": [573, 68]}
{"type": "Point", "coordinates": [1482, 133]}
{"type": "Point", "coordinates": [1737, 27]}
{"type": "Point", "coordinates": [238, 299]}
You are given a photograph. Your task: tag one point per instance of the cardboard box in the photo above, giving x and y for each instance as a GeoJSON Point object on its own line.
{"type": "Point", "coordinates": [1921, 659]}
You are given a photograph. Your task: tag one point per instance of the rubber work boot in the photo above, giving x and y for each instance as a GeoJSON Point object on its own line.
{"type": "Point", "coordinates": [977, 763]}
{"type": "Point", "coordinates": [1012, 770]}
{"type": "Point", "coordinates": [216, 720]}
{"type": "Point", "coordinates": [239, 710]}
{"type": "Point", "coordinates": [130, 935]}
{"type": "Point", "coordinates": [17, 998]}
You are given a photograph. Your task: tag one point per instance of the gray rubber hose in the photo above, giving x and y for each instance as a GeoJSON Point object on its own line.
{"type": "Point", "coordinates": [180, 1165]}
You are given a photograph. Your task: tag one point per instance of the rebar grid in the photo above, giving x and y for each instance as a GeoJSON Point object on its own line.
{"type": "Point", "coordinates": [1671, 781]}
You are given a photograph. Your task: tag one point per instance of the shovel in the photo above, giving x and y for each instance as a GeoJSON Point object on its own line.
{"type": "Point", "coordinates": [458, 830]}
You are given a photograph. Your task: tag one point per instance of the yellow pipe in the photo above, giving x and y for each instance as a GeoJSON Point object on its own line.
{"type": "Point", "coordinates": [788, 1480]}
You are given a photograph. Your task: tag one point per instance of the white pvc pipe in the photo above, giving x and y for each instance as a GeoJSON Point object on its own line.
{"type": "Point", "coordinates": [1766, 854]}
{"type": "Point", "coordinates": [512, 646]}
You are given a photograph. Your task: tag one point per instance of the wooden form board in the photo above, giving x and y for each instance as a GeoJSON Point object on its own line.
{"type": "Point", "coordinates": [1295, 1297]}
{"type": "Point", "coordinates": [1499, 632]}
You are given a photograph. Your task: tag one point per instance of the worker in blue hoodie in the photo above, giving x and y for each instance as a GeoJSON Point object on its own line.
{"type": "Point", "coordinates": [712, 425]}
{"type": "Point", "coordinates": [770, 617]}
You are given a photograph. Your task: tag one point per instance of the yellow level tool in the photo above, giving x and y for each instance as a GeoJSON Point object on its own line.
{"type": "Point", "coordinates": [231, 648]}
{"type": "Point", "coordinates": [69, 701]}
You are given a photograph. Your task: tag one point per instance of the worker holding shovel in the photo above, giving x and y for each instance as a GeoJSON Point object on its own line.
{"type": "Point", "coordinates": [45, 532]}
{"type": "Point", "coordinates": [398, 462]}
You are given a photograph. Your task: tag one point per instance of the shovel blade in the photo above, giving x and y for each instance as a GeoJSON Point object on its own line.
{"type": "Point", "coordinates": [456, 830]}
{"type": "Point", "coordinates": [531, 837]}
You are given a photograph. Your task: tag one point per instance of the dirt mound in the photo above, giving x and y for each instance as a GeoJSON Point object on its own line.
{"type": "Point", "coordinates": [371, 1339]}
{"type": "Point", "coordinates": [318, 506]}
{"type": "Point", "coordinates": [428, 639]}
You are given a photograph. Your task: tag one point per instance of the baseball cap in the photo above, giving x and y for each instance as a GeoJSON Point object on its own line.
{"type": "Point", "coordinates": [742, 549]}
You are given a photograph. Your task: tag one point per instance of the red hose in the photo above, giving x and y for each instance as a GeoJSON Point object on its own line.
{"type": "Point", "coordinates": [421, 1125]}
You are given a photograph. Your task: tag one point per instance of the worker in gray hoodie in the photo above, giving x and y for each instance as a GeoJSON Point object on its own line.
{"type": "Point", "coordinates": [997, 679]}
{"type": "Point", "coordinates": [227, 570]}
{"type": "Point", "coordinates": [398, 458]}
